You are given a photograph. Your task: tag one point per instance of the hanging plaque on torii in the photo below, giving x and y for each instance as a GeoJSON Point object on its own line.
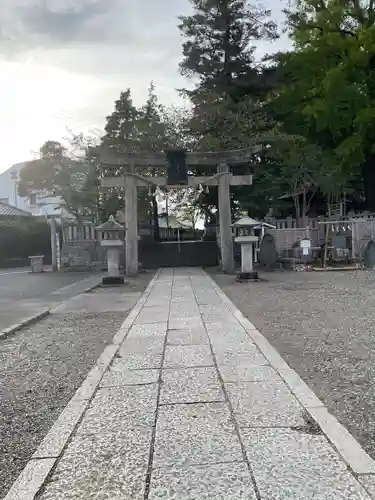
{"type": "Point", "coordinates": [177, 169]}
{"type": "Point", "coordinates": [178, 164]}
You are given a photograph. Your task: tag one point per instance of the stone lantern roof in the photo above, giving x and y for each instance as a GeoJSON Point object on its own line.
{"type": "Point", "coordinates": [110, 225]}
{"type": "Point", "coordinates": [246, 221]}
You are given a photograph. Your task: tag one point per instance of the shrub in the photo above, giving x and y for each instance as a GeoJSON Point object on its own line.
{"type": "Point", "coordinates": [21, 237]}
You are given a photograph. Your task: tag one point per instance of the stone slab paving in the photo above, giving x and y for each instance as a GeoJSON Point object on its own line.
{"type": "Point", "coordinates": [192, 403]}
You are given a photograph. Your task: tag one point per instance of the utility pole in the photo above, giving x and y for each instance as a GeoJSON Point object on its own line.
{"type": "Point", "coordinates": [14, 177]}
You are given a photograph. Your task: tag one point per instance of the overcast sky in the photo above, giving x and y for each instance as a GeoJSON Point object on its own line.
{"type": "Point", "coordinates": [64, 62]}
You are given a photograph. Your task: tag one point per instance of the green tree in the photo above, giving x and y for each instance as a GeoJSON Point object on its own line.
{"type": "Point", "coordinates": [152, 138]}
{"type": "Point", "coordinates": [147, 129]}
{"type": "Point", "coordinates": [229, 99]}
{"type": "Point", "coordinates": [151, 125]}
{"type": "Point", "coordinates": [220, 124]}
{"type": "Point", "coordinates": [121, 127]}
{"type": "Point", "coordinates": [329, 90]}
{"type": "Point", "coordinates": [219, 47]}
{"type": "Point", "coordinates": [121, 135]}
{"type": "Point", "coordinates": [63, 173]}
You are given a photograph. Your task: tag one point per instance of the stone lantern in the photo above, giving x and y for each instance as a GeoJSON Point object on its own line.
{"type": "Point", "coordinates": [111, 236]}
{"type": "Point", "coordinates": [244, 229]}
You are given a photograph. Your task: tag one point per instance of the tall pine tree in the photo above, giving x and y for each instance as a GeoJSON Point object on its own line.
{"type": "Point", "coordinates": [121, 127]}
{"type": "Point", "coordinates": [137, 130]}
{"type": "Point", "coordinates": [121, 135]}
{"type": "Point", "coordinates": [152, 130]}
{"type": "Point", "coordinates": [228, 100]}
{"type": "Point", "coordinates": [219, 47]}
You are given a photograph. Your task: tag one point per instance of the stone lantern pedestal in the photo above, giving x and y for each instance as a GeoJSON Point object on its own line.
{"type": "Point", "coordinates": [247, 258]}
{"type": "Point", "coordinates": [113, 249]}
{"type": "Point", "coordinates": [244, 228]}
{"type": "Point", "coordinates": [113, 240]}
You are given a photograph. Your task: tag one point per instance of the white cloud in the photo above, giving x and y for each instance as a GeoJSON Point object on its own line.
{"type": "Point", "coordinates": [64, 62]}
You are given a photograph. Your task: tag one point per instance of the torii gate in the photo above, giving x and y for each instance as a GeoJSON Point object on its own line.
{"type": "Point", "coordinates": [131, 180]}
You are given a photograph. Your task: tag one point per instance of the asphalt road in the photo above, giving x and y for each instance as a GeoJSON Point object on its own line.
{"type": "Point", "coordinates": [23, 294]}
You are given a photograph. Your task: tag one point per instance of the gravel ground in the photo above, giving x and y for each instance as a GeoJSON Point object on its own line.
{"type": "Point", "coordinates": [323, 324]}
{"type": "Point", "coordinates": [40, 369]}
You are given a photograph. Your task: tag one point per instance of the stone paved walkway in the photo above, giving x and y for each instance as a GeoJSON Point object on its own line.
{"type": "Point", "coordinates": [190, 408]}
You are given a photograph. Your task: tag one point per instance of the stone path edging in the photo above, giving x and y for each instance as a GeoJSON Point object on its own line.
{"type": "Point", "coordinates": [22, 324]}
{"type": "Point", "coordinates": [40, 315]}
{"type": "Point", "coordinates": [346, 445]}
{"type": "Point", "coordinates": [36, 471]}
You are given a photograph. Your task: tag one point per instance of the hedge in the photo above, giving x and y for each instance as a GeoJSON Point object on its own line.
{"type": "Point", "coordinates": [21, 237]}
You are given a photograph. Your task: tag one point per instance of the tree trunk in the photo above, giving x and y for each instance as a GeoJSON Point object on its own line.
{"type": "Point", "coordinates": [297, 208]}
{"type": "Point", "coordinates": [155, 216]}
{"type": "Point", "coordinates": [327, 231]}
{"type": "Point", "coordinates": [303, 209]}
{"type": "Point", "coordinates": [368, 174]}
{"type": "Point", "coordinates": [227, 56]}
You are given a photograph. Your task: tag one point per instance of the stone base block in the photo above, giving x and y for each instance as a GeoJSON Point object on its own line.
{"type": "Point", "coordinates": [113, 280]}
{"type": "Point", "coordinates": [253, 276]}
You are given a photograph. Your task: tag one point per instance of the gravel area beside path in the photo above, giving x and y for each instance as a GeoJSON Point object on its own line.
{"type": "Point", "coordinates": [323, 324]}
{"type": "Point", "coordinates": [42, 366]}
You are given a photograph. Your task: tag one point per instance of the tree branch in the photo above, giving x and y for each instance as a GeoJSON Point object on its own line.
{"type": "Point", "coordinates": [342, 32]}
{"type": "Point", "coordinates": [359, 11]}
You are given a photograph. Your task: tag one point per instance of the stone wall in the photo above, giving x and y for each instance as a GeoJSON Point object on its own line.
{"type": "Point", "coordinates": [173, 254]}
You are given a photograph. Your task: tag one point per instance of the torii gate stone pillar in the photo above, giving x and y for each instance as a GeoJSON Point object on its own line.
{"type": "Point", "coordinates": [225, 219]}
{"type": "Point", "coordinates": [131, 180]}
{"type": "Point", "coordinates": [131, 224]}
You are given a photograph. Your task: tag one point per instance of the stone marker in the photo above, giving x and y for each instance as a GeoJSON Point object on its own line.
{"type": "Point", "coordinates": [369, 256]}
{"type": "Point", "coordinates": [267, 255]}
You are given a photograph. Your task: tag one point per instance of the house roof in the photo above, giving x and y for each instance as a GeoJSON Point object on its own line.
{"type": "Point", "coordinates": [11, 211]}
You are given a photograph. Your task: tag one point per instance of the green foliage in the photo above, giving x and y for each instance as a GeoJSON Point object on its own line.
{"type": "Point", "coordinates": [150, 128]}
{"type": "Point", "coordinates": [329, 91]}
{"type": "Point", "coordinates": [220, 124]}
{"type": "Point", "coordinates": [219, 47]}
{"type": "Point", "coordinates": [121, 127]}
{"type": "Point", "coordinates": [138, 130]}
{"type": "Point", "coordinates": [61, 173]}
{"type": "Point", "coordinates": [22, 237]}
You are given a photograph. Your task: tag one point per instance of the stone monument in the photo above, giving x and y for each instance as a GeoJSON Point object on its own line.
{"type": "Point", "coordinates": [112, 237]}
{"type": "Point", "coordinates": [246, 238]}
{"type": "Point", "coordinates": [369, 255]}
{"type": "Point", "coordinates": [267, 255]}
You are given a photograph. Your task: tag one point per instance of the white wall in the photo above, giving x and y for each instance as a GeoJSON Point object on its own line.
{"type": "Point", "coordinates": [8, 188]}
{"type": "Point", "coordinates": [45, 205]}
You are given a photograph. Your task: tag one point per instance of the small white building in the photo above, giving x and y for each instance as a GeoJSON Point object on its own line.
{"type": "Point", "coordinates": [36, 204]}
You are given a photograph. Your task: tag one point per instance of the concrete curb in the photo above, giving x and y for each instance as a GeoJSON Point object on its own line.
{"type": "Point", "coordinates": [22, 324]}
{"type": "Point", "coordinates": [38, 468]}
{"type": "Point", "coordinates": [38, 316]}
{"type": "Point", "coordinates": [91, 288]}
{"type": "Point", "coordinates": [346, 445]}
